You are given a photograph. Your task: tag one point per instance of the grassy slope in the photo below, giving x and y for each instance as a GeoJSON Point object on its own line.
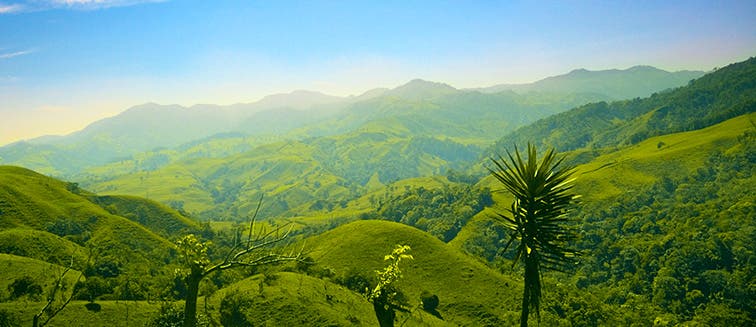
{"type": "Point", "coordinates": [290, 299]}
{"type": "Point", "coordinates": [155, 216]}
{"type": "Point", "coordinates": [42, 273]}
{"type": "Point", "coordinates": [33, 207]}
{"type": "Point", "coordinates": [40, 245]}
{"type": "Point", "coordinates": [293, 175]}
{"type": "Point", "coordinates": [676, 154]}
{"type": "Point", "coordinates": [607, 176]}
{"type": "Point", "coordinates": [469, 292]}
{"type": "Point", "coordinates": [112, 313]}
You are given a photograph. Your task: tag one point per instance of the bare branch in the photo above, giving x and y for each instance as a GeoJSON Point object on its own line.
{"type": "Point", "coordinates": [51, 298]}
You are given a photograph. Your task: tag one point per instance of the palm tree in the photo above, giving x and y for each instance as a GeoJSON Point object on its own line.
{"type": "Point", "coordinates": [537, 218]}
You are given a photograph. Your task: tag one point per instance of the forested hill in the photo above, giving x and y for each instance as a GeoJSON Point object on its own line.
{"type": "Point", "coordinates": [713, 98]}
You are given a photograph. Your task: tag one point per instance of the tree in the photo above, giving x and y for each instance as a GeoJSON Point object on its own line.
{"type": "Point", "coordinates": [256, 250]}
{"type": "Point", "coordinates": [537, 217]}
{"type": "Point", "coordinates": [57, 299]}
{"type": "Point", "coordinates": [384, 294]}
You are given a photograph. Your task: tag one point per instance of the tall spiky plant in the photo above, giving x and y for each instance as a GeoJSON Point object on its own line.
{"type": "Point", "coordinates": [537, 218]}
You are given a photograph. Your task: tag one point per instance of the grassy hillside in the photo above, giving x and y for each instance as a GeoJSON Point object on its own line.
{"type": "Point", "coordinates": [39, 272]}
{"type": "Point", "coordinates": [156, 217]}
{"type": "Point", "coordinates": [290, 299]}
{"type": "Point", "coordinates": [469, 292]}
{"type": "Point", "coordinates": [297, 177]}
{"type": "Point", "coordinates": [111, 313]}
{"type": "Point", "coordinates": [54, 221]}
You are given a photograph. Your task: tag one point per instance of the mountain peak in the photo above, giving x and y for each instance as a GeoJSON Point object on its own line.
{"type": "Point", "coordinates": [579, 71]}
{"type": "Point", "coordinates": [421, 83]}
{"type": "Point", "coordinates": [419, 88]}
{"type": "Point", "coordinates": [643, 68]}
{"type": "Point", "coordinates": [298, 99]}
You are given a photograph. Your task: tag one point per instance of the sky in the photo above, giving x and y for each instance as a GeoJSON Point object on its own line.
{"type": "Point", "coordinates": [67, 63]}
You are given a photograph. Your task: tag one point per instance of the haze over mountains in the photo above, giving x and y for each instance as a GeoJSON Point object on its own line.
{"type": "Point", "coordinates": [152, 126]}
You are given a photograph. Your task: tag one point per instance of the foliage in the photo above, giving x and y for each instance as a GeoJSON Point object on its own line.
{"type": "Point", "coordinates": [439, 211]}
{"type": "Point", "coordinates": [24, 286]}
{"type": "Point", "coordinates": [537, 218]}
{"type": "Point", "coordinates": [231, 308]}
{"type": "Point", "coordinates": [254, 251]}
{"type": "Point", "coordinates": [385, 296]}
{"type": "Point", "coordinates": [169, 316]}
{"type": "Point", "coordinates": [7, 319]}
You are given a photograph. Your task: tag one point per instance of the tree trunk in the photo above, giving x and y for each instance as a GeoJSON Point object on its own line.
{"type": "Point", "coordinates": [385, 314]}
{"type": "Point", "coordinates": [190, 306]}
{"type": "Point", "coordinates": [525, 308]}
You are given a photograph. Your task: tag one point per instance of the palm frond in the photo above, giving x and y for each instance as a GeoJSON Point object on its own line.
{"type": "Point", "coordinates": [538, 217]}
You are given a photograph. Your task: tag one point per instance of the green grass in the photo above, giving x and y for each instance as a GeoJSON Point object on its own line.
{"type": "Point", "coordinates": [672, 155]}
{"type": "Point", "coordinates": [112, 313]}
{"type": "Point", "coordinates": [51, 220]}
{"type": "Point", "coordinates": [44, 274]}
{"type": "Point", "coordinates": [470, 293]}
{"type": "Point", "coordinates": [154, 216]}
{"type": "Point", "coordinates": [291, 299]}
{"type": "Point", "coordinates": [41, 245]}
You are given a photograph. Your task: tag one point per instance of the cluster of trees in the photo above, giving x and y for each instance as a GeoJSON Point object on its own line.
{"type": "Point", "coordinates": [682, 246]}
{"type": "Point", "coordinates": [441, 212]}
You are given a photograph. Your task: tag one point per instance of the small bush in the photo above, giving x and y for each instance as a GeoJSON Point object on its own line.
{"type": "Point", "coordinates": [168, 316]}
{"type": "Point", "coordinates": [355, 281]}
{"type": "Point", "coordinates": [24, 286]}
{"type": "Point", "coordinates": [7, 319]}
{"type": "Point", "coordinates": [430, 301]}
{"type": "Point", "coordinates": [231, 310]}
{"type": "Point", "coordinates": [94, 307]}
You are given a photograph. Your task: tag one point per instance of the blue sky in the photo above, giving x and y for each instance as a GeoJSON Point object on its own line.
{"type": "Point", "coordinates": [65, 63]}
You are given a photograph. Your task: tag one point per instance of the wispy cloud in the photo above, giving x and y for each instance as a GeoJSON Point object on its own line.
{"type": "Point", "coordinates": [97, 4]}
{"type": "Point", "coordinates": [14, 54]}
{"type": "Point", "coordinates": [41, 5]}
{"type": "Point", "coordinates": [11, 8]}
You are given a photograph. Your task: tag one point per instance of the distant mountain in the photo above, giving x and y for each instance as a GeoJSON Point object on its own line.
{"type": "Point", "coordinates": [713, 98]}
{"type": "Point", "coordinates": [419, 89]}
{"type": "Point", "coordinates": [299, 99]}
{"type": "Point", "coordinates": [152, 126]}
{"type": "Point", "coordinates": [638, 81]}
{"type": "Point", "coordinates": [423, 108]}
{"type": "Point", "coordinates": [417, 108]}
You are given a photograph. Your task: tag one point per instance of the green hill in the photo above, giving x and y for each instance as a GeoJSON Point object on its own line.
{"type": "Point", "coordinates": [110, 313]}
{"type": "Point", "coordinates": [713, 98]}
{"type": "Point", "coordinates": [469, 292]}
{"type": "Point", "coordinates": [290, 299]}
{"type": "Point", "coordinates": [39, 272]}
{"type": "Point", "coordinates": [54, 221]}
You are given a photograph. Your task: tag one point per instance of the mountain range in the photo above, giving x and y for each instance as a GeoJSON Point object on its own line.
{"type": "Point", "coordinates": [300, 114]}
